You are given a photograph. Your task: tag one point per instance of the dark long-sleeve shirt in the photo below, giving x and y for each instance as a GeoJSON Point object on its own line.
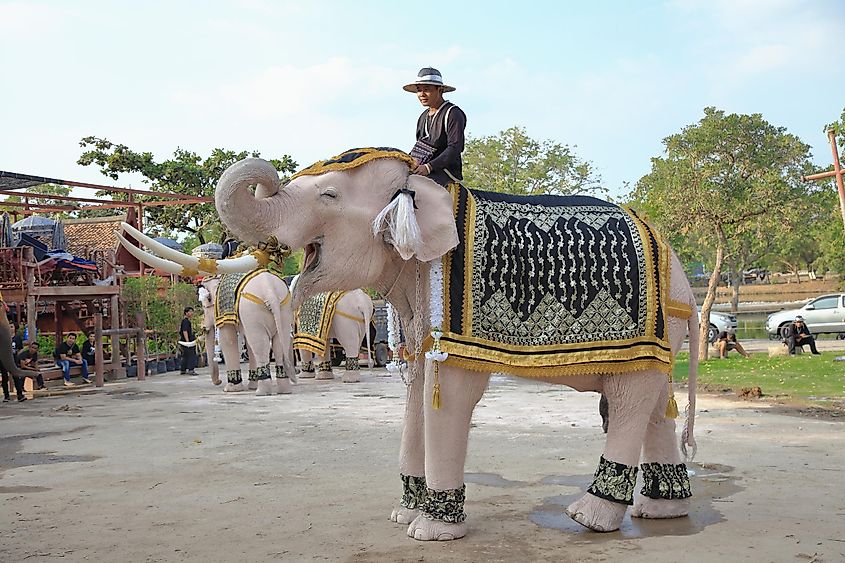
{"type": "Point", "coordinates": [447, 136]}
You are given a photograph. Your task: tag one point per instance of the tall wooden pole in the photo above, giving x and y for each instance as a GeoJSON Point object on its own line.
{"type": "Point", "coordinates": [141, 346]}
{"type": "Point", "coordinates": [840, 185]}
{"type": "Point", "coordinates": [98, 350]}
{"type": "Point", "coordinates": [837, 173]}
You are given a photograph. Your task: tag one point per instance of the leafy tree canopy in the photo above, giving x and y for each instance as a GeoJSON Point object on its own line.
{"type": "Point", "coordinates": [185, 173]}
{"type": "Point", "coordinates": [729, 182]}
{"type": "Point", "coordinates": [512, 162]}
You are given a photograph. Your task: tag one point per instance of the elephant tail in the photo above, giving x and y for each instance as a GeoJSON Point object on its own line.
{"type": "Point", "coordinates": [688, 445]}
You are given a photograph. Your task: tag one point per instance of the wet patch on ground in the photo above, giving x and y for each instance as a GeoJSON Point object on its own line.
{"type": "Point", "coordinates": [711, 484]}
{"type": "Point", "coordinates": [23, 489]}
{"type": "Point", "coordinates": [131, 394]}
{"type": "Point", "coordinates": [10, 451]}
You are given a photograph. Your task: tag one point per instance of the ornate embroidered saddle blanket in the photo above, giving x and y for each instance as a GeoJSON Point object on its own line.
{"type": "Point", "coordinates": [552, 285]}
{"type": "Point", "coordinates": [229, 293]}
{"type": "Point", "coordinates": [314, 321]}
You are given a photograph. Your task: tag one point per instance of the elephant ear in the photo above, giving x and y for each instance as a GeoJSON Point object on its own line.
{"type": "Point", "coordinates": [419, 220]}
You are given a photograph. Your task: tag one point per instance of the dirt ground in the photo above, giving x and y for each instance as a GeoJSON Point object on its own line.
{"type": "Point", "coordinates": [172, 469]}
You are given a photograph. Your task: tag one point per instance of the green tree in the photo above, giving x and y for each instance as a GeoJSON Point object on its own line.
{"type": "Point", "coordinates": [512, 162]}
{"type": "Point", "coordinates": [186, 173]}
{"type": "Point", "coordinates": [725, 179]}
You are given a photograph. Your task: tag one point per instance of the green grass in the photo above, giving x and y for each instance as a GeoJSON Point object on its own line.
{"type": "Point", "coordinates": [804, 377]}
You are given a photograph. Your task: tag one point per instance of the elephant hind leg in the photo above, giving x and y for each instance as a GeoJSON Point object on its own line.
{"type": "Point", "coordinates": [631, 398]}
{"type": "Point", "coordinates": [666, 487]}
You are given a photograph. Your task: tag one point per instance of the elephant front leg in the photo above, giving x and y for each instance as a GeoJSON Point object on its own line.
{"type": "Point", "coordinates": [412, 455]}
{"type": "Point", "coordinates": [631, 398]}
{"type": "Point", "coordinates": [235, 382]}
{"type": "Point", "coordinates": [442, 516]}
{"type": "Point", "coordinates": [265, 385]}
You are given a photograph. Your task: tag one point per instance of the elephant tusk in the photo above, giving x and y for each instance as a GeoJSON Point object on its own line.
{"type": "Point", "coordinates": [191, 263]}
{"type": "Point", "coordinates": [245, 263]}
{"type": "Point", "coordinates": [152, 260]}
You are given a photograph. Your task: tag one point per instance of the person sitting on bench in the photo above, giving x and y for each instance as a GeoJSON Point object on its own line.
{"type": "Point", "coordinates": [67, 353]}
{"type": "Point", "coordinates": [28, 359]}
{"type": "Point", "coordinates": [798, 334]}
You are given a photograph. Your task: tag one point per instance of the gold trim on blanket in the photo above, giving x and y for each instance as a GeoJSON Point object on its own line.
{"type": "Point", "coordinates": [318, 343]}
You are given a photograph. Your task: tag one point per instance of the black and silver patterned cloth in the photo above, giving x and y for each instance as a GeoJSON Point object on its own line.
{"type": "Point", "coordinates": [314, 321]}
{"type": "Point", "coordinates": [550, 285]}
{"type": "Point", "coordinates": [227, 299]}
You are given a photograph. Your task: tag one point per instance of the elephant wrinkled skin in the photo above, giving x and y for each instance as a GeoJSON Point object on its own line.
{"type": "Point", "coordinates": [331, 216]}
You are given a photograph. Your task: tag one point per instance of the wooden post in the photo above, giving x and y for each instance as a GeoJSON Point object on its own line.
{"type": "Point", "coordinates": [114, 316]}
{"type": "Point", "coordinates": [58, 319]}
{"type": "Point", "coordinates": [141, 346]}
{"type": "Point", "coordinates": [98, 349]}
{"type": "Point", "coordinates": [840, 185]}
{"type": "Point", "coordinates": [31, 317]}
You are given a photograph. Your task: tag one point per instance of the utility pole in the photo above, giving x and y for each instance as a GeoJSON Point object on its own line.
{"type": "Point", "coordinates": [837, 173]}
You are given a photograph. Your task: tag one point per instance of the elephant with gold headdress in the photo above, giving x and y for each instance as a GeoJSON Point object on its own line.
{"type": "Point", "coordinates": [255, 303]}
{"type": "Point", "coordinates": [567, 290]}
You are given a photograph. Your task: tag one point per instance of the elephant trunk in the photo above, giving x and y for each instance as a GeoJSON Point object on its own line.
{"type": "Point", "coordinates": [6, 357]}
{"type": "Point", "coordinates": [249, 217]}
{"type": "Point", "coordinates": [210, 342]}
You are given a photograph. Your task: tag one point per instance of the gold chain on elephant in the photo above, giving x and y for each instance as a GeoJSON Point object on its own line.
{"type": "Point", "coordinates": [417, 328]}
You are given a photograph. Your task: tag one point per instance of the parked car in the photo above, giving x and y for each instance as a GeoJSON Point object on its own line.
{"type": "Point", "coordinates": [825, 314]}
{"type": "Point", "coordinates": [719, 322]}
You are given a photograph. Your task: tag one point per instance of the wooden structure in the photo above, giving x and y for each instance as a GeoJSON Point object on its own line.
{"type": "Point", "coordinates": [90, 306]}
{"type": "Point", "coordinates": [837, 173]}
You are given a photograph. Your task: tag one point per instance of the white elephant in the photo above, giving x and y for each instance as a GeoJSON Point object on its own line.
{"type": "Point", "coordinates": [262, 298]}
{"type": "Point", "coordinates": [603, 302]}
{"type": "Point", "coordinates": [351, 313]}
{"type": "Point", "coordinates": [258, 295]}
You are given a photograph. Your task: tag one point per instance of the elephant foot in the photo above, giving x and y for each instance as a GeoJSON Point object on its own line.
{"type": "Point", "coordinates": [306, 375]}
{"type": "Point", "coordinates": [645, 507]}
{"type": "Point", "coordinates": [216, 380]}
{"type": "Point", "coordinates": [324, 375]}
{"type": "Point", "coordinates": [596, 513]}
{"type": "Point", "coordinates": [402, 515]}
{"type": "Point", "coordinates": [426, 529]}
{"type": "Point", "coordinates": [283, 386]}
{"type": "Point", "coordinates": [264, 387]}
{"type": "Point", "coordinates": [350, 377]}
{"type": "Point", "coordinates": [252, 385]}
{"type": "Point", "coordinates": [233, 387]}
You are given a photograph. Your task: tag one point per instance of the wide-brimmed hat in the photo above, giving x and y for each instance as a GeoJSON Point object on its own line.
{"type": "Point", "coordinates": [428, 75]}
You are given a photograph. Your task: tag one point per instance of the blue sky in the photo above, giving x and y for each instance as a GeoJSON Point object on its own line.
{"type": "Point", "coordinates": [313, 78]}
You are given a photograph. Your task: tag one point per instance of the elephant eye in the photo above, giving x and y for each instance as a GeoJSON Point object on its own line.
{"type": "Point", "coordinates": [330, 193]}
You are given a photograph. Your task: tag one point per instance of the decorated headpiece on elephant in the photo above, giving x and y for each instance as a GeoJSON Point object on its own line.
{"type": "Point", "coordinates": [256, 303]}
{"type": "Point", "coordinates": [343, 316]}
{"type": "Point", "coordinates": [568, 290]}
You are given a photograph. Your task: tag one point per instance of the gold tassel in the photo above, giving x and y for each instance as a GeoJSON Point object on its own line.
{"type": "Point", "coordinates": [672, 408]}
{"type": "Point", "coordinates": [435, 397]}
{"type": "Point", "coordinates": [672, 405]}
